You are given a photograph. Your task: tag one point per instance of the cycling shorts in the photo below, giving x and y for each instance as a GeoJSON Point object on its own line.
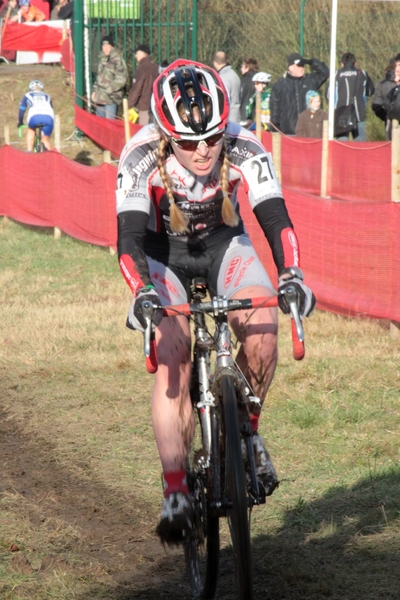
{"type": "Point", "coordinates": [228, 268]}
{"type": "Point", "coordinates": [46, 120]}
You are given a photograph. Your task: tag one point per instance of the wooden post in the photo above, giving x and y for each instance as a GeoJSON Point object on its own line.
{"type": "Point", "coordinates": [276, 154]}
{"type": "Point", "coordinates": [394, 326]}
{"type": "Point", "coordinates": [126, 120]}
{"type": "Point", "coordinates": [7, 134]}
{"type": "Point", "coordinates": [57, 133]}
{"type": "Point", "coordinates": [107, 159]}
{"type": "Point", "coordinates": [324, 159]}
{"type": "Point", "coordinates": [395, 161]}
{"type": "Point", "coordinates": [57, 233]}
{"type": "Point", "coordinates": [258, 116]}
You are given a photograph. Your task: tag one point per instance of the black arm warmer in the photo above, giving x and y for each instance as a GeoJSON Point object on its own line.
{"type": "Point", "coordinates": [132, 226]}
{"type": "Point", "coordinates": [273, 218]}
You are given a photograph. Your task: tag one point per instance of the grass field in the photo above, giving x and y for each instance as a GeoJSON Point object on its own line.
{"type": "Point", "coordinates": [80, 489]}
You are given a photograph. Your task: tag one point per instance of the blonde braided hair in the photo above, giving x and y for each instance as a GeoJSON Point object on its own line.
{"type": "Point", "coordinates": [229, 214]}
{"type": "Point", "coordinates": [179, 221]}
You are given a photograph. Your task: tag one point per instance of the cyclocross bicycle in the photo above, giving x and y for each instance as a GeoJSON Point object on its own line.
{"type": "Point", "coordinates": [38, 145]}
{"type": "Point", "coordinates": [222, 469]}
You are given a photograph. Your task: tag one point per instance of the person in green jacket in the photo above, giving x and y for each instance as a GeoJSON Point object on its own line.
{"type": "Point", "coordinates": [261, 82]}
{"type": "Point", "coordinates": [112, 76]}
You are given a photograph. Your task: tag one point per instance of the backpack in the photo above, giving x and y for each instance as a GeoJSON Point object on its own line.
{"type": "Point", "coordinates": [345, 120]}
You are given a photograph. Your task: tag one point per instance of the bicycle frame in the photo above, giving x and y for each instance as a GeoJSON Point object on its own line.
{"type": "Point", "coordinates": [38, 145]}
{"type": "Point", "coordinates": [207, 379]}
{"type": "Point", "coordinates": [222, 471]}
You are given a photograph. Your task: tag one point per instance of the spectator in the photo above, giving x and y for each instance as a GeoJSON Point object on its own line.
{"type": "Point", "coordinates": [288, 94]}
{"type": "Point", "coordinates": [392, 79]}
{"type": "Point", "coordinates": [66, 11]}
{"type": "Point", "coordinates": [29, 12]}
{"type": "Point", "coordinates": [352, 86]}
{"type": "Point", "coordinates": [54, 15]}
{"type": "Point", "coordinates": [261, 82]}
{"type": "Point", "coordinates": [10, 11]}
{"type": "Point", "coordinates": [40, 111]}
{"type": "Point", "coordinates": [232, 83]}
{"type": "Point", "coordinates": [249, 68]}
{"type": "Point", "coordinates": [112, 76]}
{"type": "Point", "coordinates": [310, 121]}
{"type": "Point", "coordinates": [146, 73]}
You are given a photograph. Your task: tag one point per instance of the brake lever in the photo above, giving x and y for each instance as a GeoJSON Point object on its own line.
{"type": "Point", "coordinates": [147, 310]}
{"type": "Point", "coordinates": [291, 298]}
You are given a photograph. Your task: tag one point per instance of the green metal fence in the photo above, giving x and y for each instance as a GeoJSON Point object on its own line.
{"type": "Point", "coordinates": [169, 27]}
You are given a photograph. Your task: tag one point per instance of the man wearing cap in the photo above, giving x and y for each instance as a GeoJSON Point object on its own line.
{"type": "Point", "coordinates": [142, 85]}
{"type": "Point", "coordinates": [288, 95]}
{"type": "Point", "coordinates": [112, 76]}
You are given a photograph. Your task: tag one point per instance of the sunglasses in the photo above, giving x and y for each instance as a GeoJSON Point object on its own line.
{"type": "Point", "coordinates": [192, 145]}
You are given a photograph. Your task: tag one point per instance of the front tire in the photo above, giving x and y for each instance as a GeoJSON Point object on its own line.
{"type": "Point", "coordinates": [236, 492]}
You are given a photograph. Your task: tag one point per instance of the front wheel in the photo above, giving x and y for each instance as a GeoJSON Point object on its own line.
{"type": "Point", "coordinates": [201, 547]}
{"type": "Point", "coordinates": [236, 492]}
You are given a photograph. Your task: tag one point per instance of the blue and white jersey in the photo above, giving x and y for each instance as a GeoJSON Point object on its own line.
{"type": "Point", "coordinates": [37, 103]}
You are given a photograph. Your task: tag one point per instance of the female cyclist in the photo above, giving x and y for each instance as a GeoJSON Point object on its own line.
{"type": "Point", "coordinates": [178, 218]}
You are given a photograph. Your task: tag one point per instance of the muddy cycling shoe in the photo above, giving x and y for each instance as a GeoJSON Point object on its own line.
{"type": "Point", "coordinates": [266, 473]}
{"type": "Point", "coordinates": [176, 518]}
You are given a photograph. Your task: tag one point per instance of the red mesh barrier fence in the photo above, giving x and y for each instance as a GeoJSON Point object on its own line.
{"type": "Point", "coordinates": [350, 249]}
{"type": "Point", "coordinates": [301, 164]}
{"type": "Point", "coordinates": [360, 171]}
{"type": "Point", "coordinates": [107, 133]}
{"type": "Point", "coordinates": [17, 36]}
{"type": "Point", "coordinates": [57, 192]}
{"type": "Point", "coordinates": [350, 252]}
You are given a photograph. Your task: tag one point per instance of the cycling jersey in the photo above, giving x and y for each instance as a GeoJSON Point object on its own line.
{"type": "Point", "coordinates": [265, 112]}
{"type": "Point", "coordinates": [143, 205]}
{"type": "Point", "coordinates": [37, 103]}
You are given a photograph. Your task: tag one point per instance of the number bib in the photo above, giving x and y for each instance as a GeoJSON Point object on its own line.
{"type": "Point", "coordinates": [261, 178]}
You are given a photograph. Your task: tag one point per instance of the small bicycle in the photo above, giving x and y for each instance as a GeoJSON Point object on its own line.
{"type": "Point", "coordinates": [38, 145]}
{"type": "Point", "coordinates": [222, 470]}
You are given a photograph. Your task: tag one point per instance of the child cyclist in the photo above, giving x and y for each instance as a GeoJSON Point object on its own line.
{"type": "Point", "coordinates": [261, 82]}
{"type": "Point", "coordinates": [40, 112]}
{"type": "Point", "coordinates": [178, 218]}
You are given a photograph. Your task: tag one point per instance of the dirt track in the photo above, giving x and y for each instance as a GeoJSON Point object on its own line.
{"type": "Point", "coordinates": [116, 533]}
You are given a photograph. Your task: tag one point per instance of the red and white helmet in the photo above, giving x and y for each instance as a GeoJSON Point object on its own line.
{"type": "Point", "coordinates": [196, 115]}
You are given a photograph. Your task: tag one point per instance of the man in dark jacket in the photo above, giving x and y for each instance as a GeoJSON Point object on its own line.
{"type": "Point", "coordinates": [288, 95]}
{"type": "Point", "coordinates": [142, 86]}
{"type": "Point", "coordinates": [249, 68]}
{"type": "Point", "coordinates": [352, 86]}
{"type": "Point", "coordinates": [384, 87]}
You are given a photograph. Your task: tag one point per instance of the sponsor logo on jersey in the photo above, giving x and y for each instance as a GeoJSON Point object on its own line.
{"type": "Point", "coordinates": [243, 270]}
{"type": "Point", "coordinates": [242, 152]}
{"type": "Point", "coordinates": [161, 279]}
{"type": "Point", "coordinates": [231, 270]}
{"type": "Point", "coordinates": [293, 242]}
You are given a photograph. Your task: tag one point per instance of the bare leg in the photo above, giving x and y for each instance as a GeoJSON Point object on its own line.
{"type": "Point", "coordinates": [172, 412]}
{"type": "Point", "coordinates": [30, 136]}
{"type": "Point", "coordinates": [257, 331]}
{"type": "Point", "coordinates": [46, 141]}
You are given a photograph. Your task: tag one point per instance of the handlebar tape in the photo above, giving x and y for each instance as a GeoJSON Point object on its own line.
{"type": "Point", "coordinates": [298, 347]}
